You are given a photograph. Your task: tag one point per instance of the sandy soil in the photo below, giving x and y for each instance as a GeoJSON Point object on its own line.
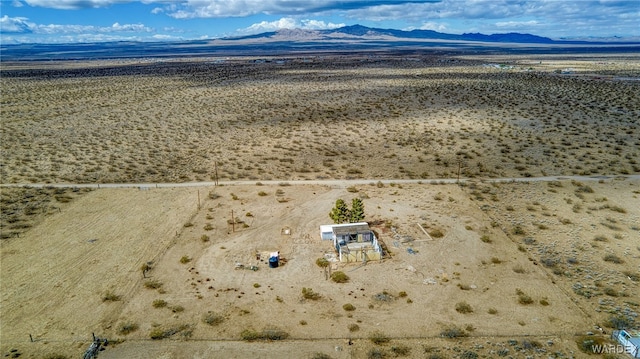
{"type": "Point", "coordinates": [106, 236]}
{"type": "Point", "coordinates": [356, 116]}
{"type": "Point", "coordinates": [535, 265]}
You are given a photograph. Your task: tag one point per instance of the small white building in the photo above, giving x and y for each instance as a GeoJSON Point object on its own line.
{"type": "Point", "coordinates": [354, 242]}
{"type": "Point", "coordinates": [630, 339]}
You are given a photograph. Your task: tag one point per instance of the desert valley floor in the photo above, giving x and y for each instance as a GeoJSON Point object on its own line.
{"type": "Point", "coordinates": [479, 268]}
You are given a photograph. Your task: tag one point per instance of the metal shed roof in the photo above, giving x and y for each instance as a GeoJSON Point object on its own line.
{"type": "Point", "coordinates": [352, 229]}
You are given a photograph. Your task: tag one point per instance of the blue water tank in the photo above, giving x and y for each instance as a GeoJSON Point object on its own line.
{"type": "Point", "coordinates": [273, 262]}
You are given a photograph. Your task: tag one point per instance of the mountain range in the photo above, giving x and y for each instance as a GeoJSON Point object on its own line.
{"type": "Point", "coordinates": [359, 32]}
{"type": "Point", "coordinates": [289, 41]}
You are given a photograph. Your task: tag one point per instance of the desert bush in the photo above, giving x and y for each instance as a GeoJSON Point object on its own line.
{"type": "Point", "coordinates": [212, 318]}
{"type": "Point", "coordinates": [127, 327]}
{"type": "Point", "coordinates": [453, 332]}
{"type": "Point", "coordinates": [185, 259]}
{"type": "Point", "coordinates": [153, 284]}
{"type": "Point", "coordinates": [618, 322]}
{"type": "Point", "coordinates": [402, 294]}
{"type": "Point", "coordinates": [589, 344]}
{"type": "Point", "coordinates": [160, 333]}
{"type": "Point", "coordinates": [188, 224]}
{"type": "Point", "coordinates": [492, 311]}
{"type": "Point", "coordinates": [308, 293]}
{"type": "Point", "coordinates": [339, 277]}
{"type": "Point", "coordinates": [496, 260]}
{"type": "Point", "coordinates": [269, 333]}
{"type": "Point", "coordinates": [467, 354]}
{"type": "Point", "coordinates": [378, 338]}
{"type": "Point", "coordinates": [159, 303]}
{"type": "Point", "coordinates": [523, 298]}
{"type": "Point", "coordinates": [320, 356]}
{"type": "Point", "coordinates": [111, 297]}
{"type": "Point", "coordinates": [376, 353]}
{"type": "Point", "coordinates": [464, 308]}
{"type": "Point", "coordinates": [208, 227]}
{"type": "Point", "coordinates": [613, 259]}
{"type": "Point", "coordinates": [262, 193]}
{"type": "Point", "coordinates": [544, 302]}
{"type": "Point", "coordinates": [436, 233]}
{"type": "Point", "coordinates": [634, 276]}
{"type": "Point", "coordinates": [204, 238]}
{"type": "Point", "coordinates": [348, 307]}
{"type": "Point", "coordinates": [518, 230]}
{"type": "Point", "coordinates": [400, 350]}
{"type": "Point", "coordinates": [485, 238]}
{"type": "Point", "coordinates": [322, 262]}
{"type": "Point", "coordinates": [518, 269]}
{"type": "Point", "coordinates": [600, 238]}
{"type": "Point", "coordinates": [353, 327]}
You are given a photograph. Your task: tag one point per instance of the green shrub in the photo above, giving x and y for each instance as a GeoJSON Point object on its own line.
{"type": "Point", "coordinates": [322, 262]}
{"type": "Point", "coordinates": [111, 297]}
{"type": "Point", "coordinates": [453, 332]}
{"type": "Point", "coordinates": [308, 293]}
{"type": "Point", "coordinates": [348, 307]}
{"type": "Point", "coordinates": [339, 277]}
{"type": "Point", "coordinates": [378, 337]}
{"type": "Point", "coordinates": [212, 318]}
{"type": "Point", "coordinates": [185, 259]}
{"type": "Point", "coordinates": [269, 333]}
{"type": "Point", "coordinates": [464, 308]}
{"type": "Point", "coordinates": [159, 303]}
{"type": "Point", "coordinates": [128, 327]}
{"type": "Point", "coordinates": [152, 284]}
{"type": "Point", "coordinates": [486, 239]}
{"type": "Point", "coordinates": [400, 350]}
{"type": "Point", "coordinates": [613, 259]}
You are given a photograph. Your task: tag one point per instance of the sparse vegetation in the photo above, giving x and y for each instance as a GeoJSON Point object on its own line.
{"type": "Point", "coordinates": [377, 337]}
{"type": "Point", "coordinates": [308, 293]}
{"type": "Point", "coordinates": [464, 308]}
{"type": "Point", "coordinates": [269, 333]}
{"type": "Point", "coordinates": [127, 327]}
{"type": "Point", "coordinates": [339, 277]}
{"type": "Point", "coordinates": [111, 297]}
{"type": "Point", "coordinates": [212, 318]}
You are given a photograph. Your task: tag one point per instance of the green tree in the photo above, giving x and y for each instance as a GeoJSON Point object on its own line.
{"type": "Point", "coordinates": [340, 213]}
{"type": "Point", "coordinates": [357, 210]}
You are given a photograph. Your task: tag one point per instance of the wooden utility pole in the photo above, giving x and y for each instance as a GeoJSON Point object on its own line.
{"type": "Point", "coordinates": [216, 166]}
{"type": "Point", "coordinates": [233, 222]}
{"type": "Point", "coordinates": [198, 199]}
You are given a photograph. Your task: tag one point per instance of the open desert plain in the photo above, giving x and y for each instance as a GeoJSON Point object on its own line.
{"type": "Point", "coordinates": [141, 199]}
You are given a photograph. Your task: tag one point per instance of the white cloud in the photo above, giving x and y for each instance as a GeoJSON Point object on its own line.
{"type": "Point", "coordinates": [74, 4]}
{"type": "Point", "coordinates": [15, 25]}
{"type": "Point", "coordinates": [17, 3]}
{"type": "Point", "coordinates": [22, 25]}
{"type": "Point", "coordinates": [430, 25]}
{"type": "Point", "coordinates": [517, 24]}
{"type": "Point", "coordinates": [288, 23]}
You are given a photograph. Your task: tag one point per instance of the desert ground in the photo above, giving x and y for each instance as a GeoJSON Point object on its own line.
{"type": "Point", "coordinates": [508, 269]}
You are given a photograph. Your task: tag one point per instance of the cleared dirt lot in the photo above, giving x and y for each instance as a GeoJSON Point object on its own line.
{"type": "Point", "coordinates": [99, 244]}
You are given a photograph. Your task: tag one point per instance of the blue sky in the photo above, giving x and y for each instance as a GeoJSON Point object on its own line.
{"type": "Point", "coordinates": [62, 21]}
